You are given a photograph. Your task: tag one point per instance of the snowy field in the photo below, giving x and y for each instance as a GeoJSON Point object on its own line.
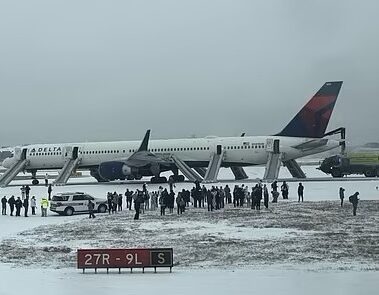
{"type": "Point", "coordinates": [315, 247]}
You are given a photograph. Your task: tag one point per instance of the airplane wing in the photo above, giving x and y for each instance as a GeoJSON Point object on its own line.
{"type": "Point", "coordinates": [142, 157]}
{"type": "Point", "coordinates": [138, 163]}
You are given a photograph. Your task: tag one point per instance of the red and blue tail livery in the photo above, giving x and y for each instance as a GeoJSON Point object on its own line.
{"type": "Point", "coordinates": [313, 118]}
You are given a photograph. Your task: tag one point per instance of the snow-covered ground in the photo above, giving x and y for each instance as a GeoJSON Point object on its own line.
{"type": "Point", "coordinates": [314, 247]}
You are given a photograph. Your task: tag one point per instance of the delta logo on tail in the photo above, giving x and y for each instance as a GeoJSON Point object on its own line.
{"type": "Point", "coordinates": [313, 118]}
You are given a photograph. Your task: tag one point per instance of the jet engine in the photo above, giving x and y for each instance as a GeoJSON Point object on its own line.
{"type": "Point", "coordinates": [116, 170]}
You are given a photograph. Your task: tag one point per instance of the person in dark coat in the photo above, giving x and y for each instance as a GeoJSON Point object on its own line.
{"type": "Point", "coordinates": [235, 196]}
{"type": "Point", "coordinates": [119, 202]}
{"type": "Point", "coordinates": [18, 205]}
{"type": "Point", "coordinates": [342, 195]}
{"type": "Point", "coordinates": [49, 190]}
{"type": "Point", "coordinates": [300, 192]}
{"type": "Point", "coordinates": [284, 189]}
{"type": "Point", "coordinates": [241, 194]}
{"type": "Point", "coordinates": [11, 202]}
{"type": "Point", "coordinates": [114, 202]}
{"type": "Point", "coordinates": [265, 196]}
{"type": "Point", "coordinates": [354, 200]}
{"type": "Point", "coordinates": [137, 204]}
{"type": "Point", "coordinates": [26, 206]}
{"type": "Point", "coordinates": [171, 199]}
{"type": "Point", "coordinates": [91, 208]}
{"type": "Point", "coordinates": [196, 195]}
{"type": "Point", "coordinates": [4, 202]}
{"type": "Point", "coordinates": [110, 203]}
{"type": "Point", "coordinates": [228, 194]}
{"type": "Point", "coordinates": [254, 193]}
{"type": "Point", "coordinates": [274, 186]}
{"type": "Point", "coordinates": [258, 197]}
{"type": "Point", "coordinates": [162, 202]}
{"type": "Point", "coordinates": [27, 190]}
{"type": "Point", "coordinates": [275, 196]}
{"type": "Point", "coordinates": [46, 179]}
{"type": "Point", "coordinates": [129, 198]}
{"type": "Point", "coordinates": [210, 200]}
{"type": "Point", "coordinates": [180, 203]}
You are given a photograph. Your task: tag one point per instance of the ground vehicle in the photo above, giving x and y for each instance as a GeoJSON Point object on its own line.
{"type": "Point", "coordinates": [73, 202]}
{"type": "Point", "coordinates": [366, 163]}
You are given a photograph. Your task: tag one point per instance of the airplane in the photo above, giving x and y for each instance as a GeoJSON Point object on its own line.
{"type": "Point", "coordinates": [199, 159]}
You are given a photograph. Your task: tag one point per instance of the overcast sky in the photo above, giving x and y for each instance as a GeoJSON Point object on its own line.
{"type": "Point", "coordinates": [74, 71]}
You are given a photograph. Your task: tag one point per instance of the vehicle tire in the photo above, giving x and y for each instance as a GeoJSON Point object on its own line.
{"type": "Point", "coordinates": [369, 173]}
{"type": "Point", "coordinates": [176, 178]}
{"type": "Point", "coordinates": [180, 178]}
{"type": "Point", "coordinates": [162, 179]}
{"type": "Point", "coordinates": [102, 209]}
{"type": "Point", "coordinates": [35, 181]}
{"type": "Point", "coordinates": [68, 211]}
{"type": "Point", "coordinates": [336, 173]}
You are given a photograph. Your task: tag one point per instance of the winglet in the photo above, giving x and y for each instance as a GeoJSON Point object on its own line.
{"type": "Point", "coordinates": [145, 142]}
{"type": "Point", "coordinates": [313, 118]}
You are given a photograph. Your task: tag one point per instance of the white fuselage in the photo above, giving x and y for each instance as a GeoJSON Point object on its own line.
{"type": "Point", "coordinates": [238, 151]}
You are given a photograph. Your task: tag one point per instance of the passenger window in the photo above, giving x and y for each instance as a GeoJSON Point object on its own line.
{"type": "Point", "coordinates": [59, 198]}
{"type": "Point", "coordinates": [79, 198]}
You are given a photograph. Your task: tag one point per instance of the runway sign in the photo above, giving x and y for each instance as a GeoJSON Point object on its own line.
{"type": "Point", "coordinates": [124, 258]}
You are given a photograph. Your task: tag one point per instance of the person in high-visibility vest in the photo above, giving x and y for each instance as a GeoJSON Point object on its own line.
{"type": "Point", "coordinates": [44, 206]}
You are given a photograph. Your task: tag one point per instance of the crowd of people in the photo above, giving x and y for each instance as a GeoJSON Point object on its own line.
{"type": "Point", "coordinates": [17, 204]}
{"type": "Point", "coordinates": [213, 198]}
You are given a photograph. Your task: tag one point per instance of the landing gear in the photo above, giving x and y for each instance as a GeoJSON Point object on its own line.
{"type": "Point", "coordinates": [336, 173]}
{"type": "Point", "coordinates": [177, 178]}
{"type": "Point", "coordinates": [34, 177]}
{"type": "Point", "coordinates": [370, 173]}
{"type": "Point", "coordinates": [133, 177]}
{"type": "Point", "coordinates": [159, 179]}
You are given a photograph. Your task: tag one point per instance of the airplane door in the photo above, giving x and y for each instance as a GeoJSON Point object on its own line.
{"type": "Point", "coordinates": [75, 153]}
{"type": "Point", "coordinates": [219, 149]}
{"type": "Point", "coordinates": [67, 152]}
{"type": "Point", "coordinates": [17, 153]}
{"type": "Point", "coordinates": [23, 154]}
{"type": "Point", "coordinates": [70, 152]}
{"type": "Point", "coordinates": [276, 146]}
{"type": "Point", "coordinates": [272, 146]}
{"type": "Point", "coordinates": [20, 154]}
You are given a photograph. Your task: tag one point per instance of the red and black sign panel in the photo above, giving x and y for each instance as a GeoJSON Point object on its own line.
{"type": "Point", "coordinates": [125, 258]}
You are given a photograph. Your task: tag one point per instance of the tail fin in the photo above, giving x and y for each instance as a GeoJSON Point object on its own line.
{"type": "Point", "coordinates": [313, 118]}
